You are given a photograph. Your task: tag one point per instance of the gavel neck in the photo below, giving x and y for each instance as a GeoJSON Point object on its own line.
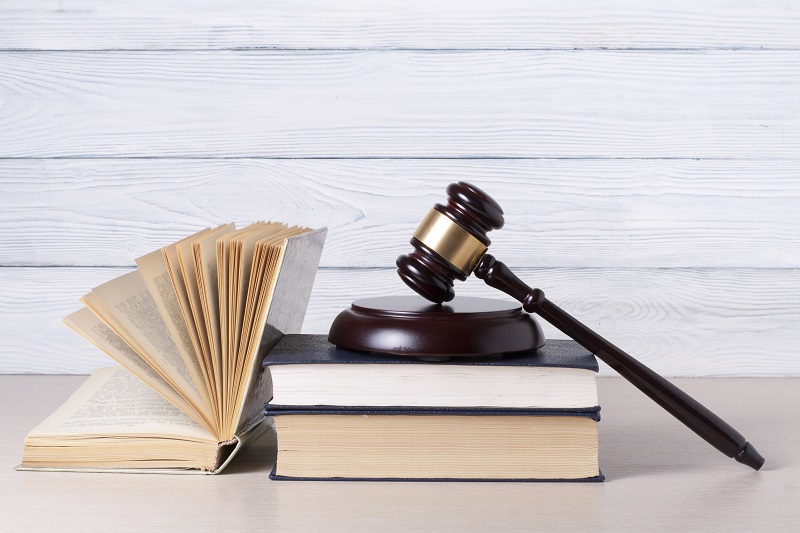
{"type": "Point", "coordinates": [496, 274]}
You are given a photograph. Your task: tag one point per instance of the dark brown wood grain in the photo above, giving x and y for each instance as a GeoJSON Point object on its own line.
{"type": "Point", "coordinates": [410, 325]}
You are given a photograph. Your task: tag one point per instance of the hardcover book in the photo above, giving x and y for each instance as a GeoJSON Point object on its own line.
{"type": "Point", "coordinates": [307, 370]}
{"type": "Point", "coordinates": [435, 445]}
{"type": "Point", "coordinates": [190, 326]}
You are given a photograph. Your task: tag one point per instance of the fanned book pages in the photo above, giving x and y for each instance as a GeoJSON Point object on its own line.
{"type": "Point", "coordinates": [190, 326]}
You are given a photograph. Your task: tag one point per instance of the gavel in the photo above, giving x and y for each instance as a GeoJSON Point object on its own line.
{"type": "Point", "coordinates": [451, 243]}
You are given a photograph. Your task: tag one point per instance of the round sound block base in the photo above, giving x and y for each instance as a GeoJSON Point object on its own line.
{"type": "Point", "coordinates": [410, 325]}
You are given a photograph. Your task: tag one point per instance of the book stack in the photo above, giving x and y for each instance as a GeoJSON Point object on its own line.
{"type": "Point", "coordinates": [341, 414]}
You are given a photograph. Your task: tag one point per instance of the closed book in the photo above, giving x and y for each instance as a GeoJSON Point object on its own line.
{"type": "Point", "coordinates": [307, 370]}
{"type": "Point", "coordinates": [435, 445]}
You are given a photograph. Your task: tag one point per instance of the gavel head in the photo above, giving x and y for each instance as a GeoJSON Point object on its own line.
{"type": "Point", "coordinates": [450, 242]}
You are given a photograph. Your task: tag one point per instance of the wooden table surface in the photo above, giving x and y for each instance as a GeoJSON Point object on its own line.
{"type": "Point", "coordinates": [659, 476]}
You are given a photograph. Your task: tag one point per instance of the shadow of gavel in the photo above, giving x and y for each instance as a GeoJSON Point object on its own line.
{"type": "Point", "coordinates": [451, 243]}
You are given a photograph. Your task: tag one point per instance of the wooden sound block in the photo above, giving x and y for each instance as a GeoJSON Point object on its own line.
{"type": "Point", "coordinates": [410, 325]}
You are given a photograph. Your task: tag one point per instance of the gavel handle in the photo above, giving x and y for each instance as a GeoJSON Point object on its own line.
{"type": "Point", "coordinates": [682, 406]}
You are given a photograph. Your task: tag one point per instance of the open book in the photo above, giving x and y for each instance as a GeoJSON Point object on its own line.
{"type": "Point", "coordinates": [193, 322]}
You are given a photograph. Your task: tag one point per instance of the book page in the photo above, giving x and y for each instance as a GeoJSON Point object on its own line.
{"type": "Point", "coordinates": [114, 402]}
{"type": "Point", "coordinates": [226, 330]}
{"type": "Point", "coordinates": [222, 252]}
{"type": "Point", "coordinates": [284, 313]}
{"type": "Point", "coordinates": [135, 317]}
{"type": "Point", "coordinates": [155, 273]}
{"type": "Point", "coordinates": [243, 249]}
{"type": "Point", "coordinates": [172, 260]}
{"type": "Point", "coordinates": [135, 312]}
{"type": "Point", "coordinates": [89, 326]}
{"type": "Point", "coordinates": [186, 260]}
{"type": "Point", "coordinates": [204, 255]}
{"type": "Point", "coordinates": [239, 265]}
{"type": "Point", "coordinates": [194, 312]}
{"type": "Point", "coordinates": [262, 276]}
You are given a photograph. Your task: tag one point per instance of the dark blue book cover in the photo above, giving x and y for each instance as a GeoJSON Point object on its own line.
{"type": "Point", "coordinates": [315, 349]}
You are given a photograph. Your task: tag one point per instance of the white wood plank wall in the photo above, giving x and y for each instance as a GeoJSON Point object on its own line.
{"type": "Point", "coordinates": [646, 155]}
